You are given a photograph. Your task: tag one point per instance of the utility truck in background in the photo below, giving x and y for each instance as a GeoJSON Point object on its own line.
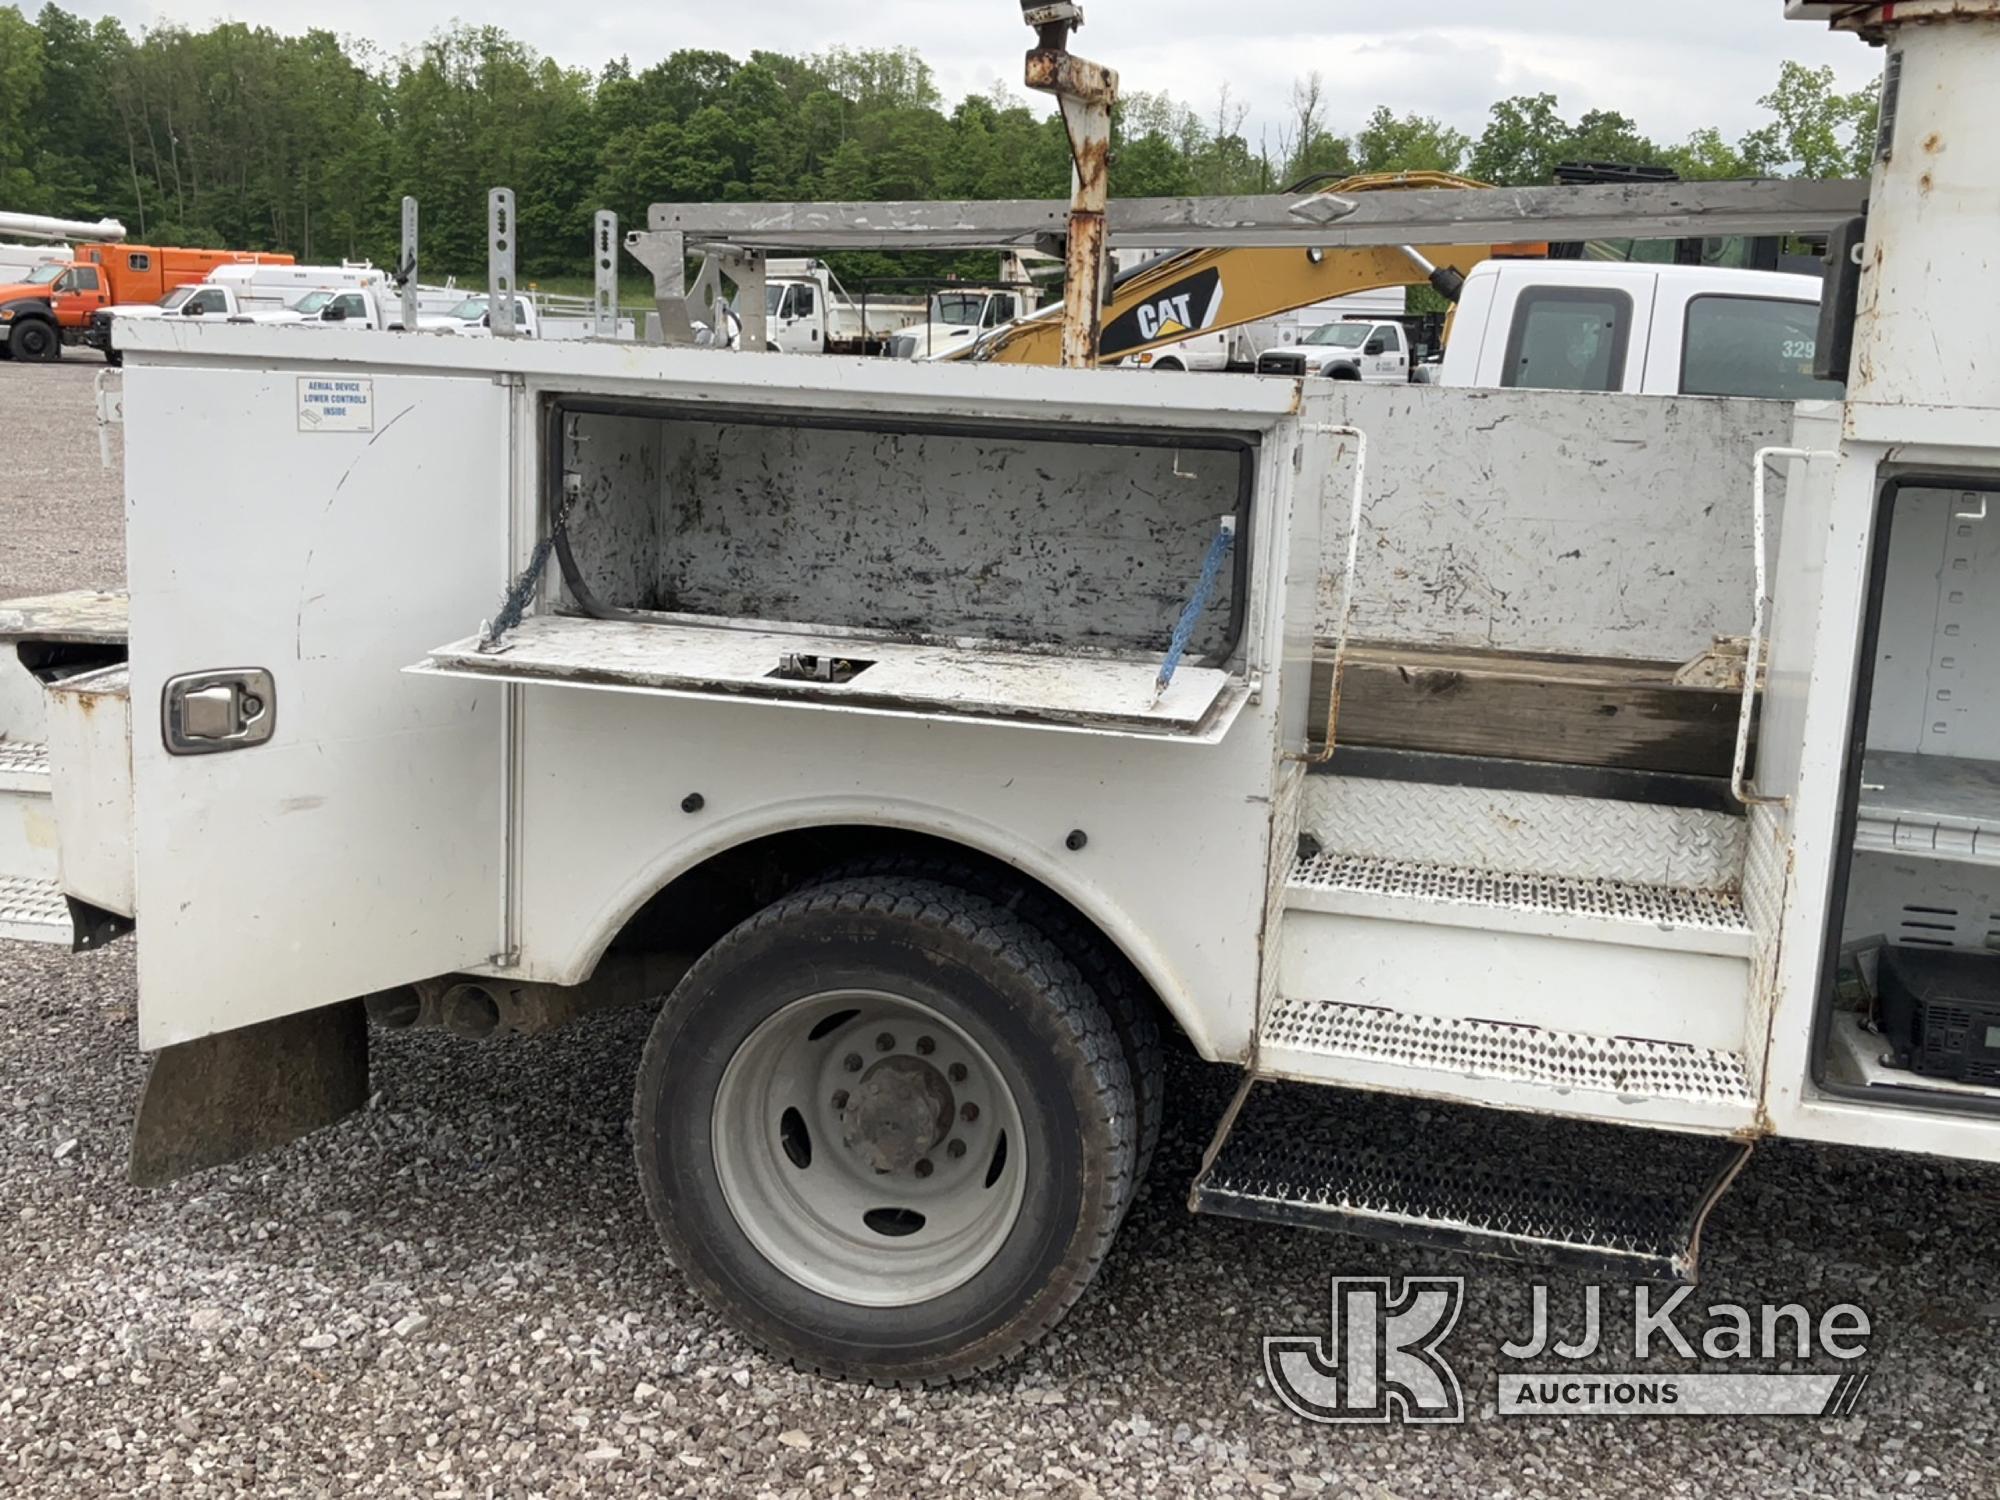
{"type": "Point", "coordinates": [808, 311]}
{"type": "Point", "coordinates": [29, 241]}
{"type": "Point", "coordinates": [1541, 792]}
{"type": "Point", "coordinates": [56, 304]}
{"type": "Point", "coordinates": [958, 316]}
{"type": "Point", "coordinates": [357, 296]}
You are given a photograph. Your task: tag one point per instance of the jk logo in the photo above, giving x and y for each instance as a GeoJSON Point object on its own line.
{"type": "Point", "coordinates": [1381, 1363]}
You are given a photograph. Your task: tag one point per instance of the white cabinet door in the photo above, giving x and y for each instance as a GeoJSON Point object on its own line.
{"type": "Point", "coordinates": [321, 527]}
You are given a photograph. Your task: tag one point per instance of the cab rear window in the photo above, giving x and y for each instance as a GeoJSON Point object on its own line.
{"type": "Point", "coordinates": [1753, 346]}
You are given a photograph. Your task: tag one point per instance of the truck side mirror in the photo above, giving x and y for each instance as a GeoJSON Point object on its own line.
{"type": "Point", "coordinates": [1373, 346]}
{"type": "Point", "coordinates": [334, 313]}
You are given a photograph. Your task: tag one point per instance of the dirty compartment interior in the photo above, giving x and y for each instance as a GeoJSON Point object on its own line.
{"type": "Point", "coordinates": [1034, 574]}
{"type": "Point", "coordinates": [1912, 1007]}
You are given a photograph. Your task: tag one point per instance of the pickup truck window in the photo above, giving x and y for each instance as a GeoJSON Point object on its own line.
{"type": "Point", "coordinates": [1568, 338]}
{"type": "Point", "coordinates": [209, 300]}
{"type": "Point", "coordinates": [172, 301]}
{"type": "Point", "coordinates": [1391, 337]}
{"type": "Point", "coordinates": [1339, 335]}
{"type": "Point", "coordinates": [1752, 346]}
{"type": "Point", "coordinates": [78, 279]}
{"type": "Point", "coordinates": [802, 301]}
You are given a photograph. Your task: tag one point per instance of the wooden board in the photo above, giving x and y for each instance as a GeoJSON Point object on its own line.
{"type": "Point", "coordinates": [1566, 710]}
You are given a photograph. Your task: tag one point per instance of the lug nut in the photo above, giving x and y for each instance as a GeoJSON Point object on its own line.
{"type": "Point", "coordinates": [840, 1098]}
{"type": "Point", "coordinates": [957, 1072]}
{"type": "Point", "coordinates": [955, 1150]}
{"type": "Point", "coordinates": [968, 1112]}
{"type": "Point", "coordinates": [852, 1062]}
{"type": "Point", "coordinates": [926, 1045]}
{"type": "Point", "coordinates": [885, 1043]}
{"type": "Point", "coordinates": [924, 1167]}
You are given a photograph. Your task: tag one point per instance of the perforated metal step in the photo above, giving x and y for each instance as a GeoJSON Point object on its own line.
{"type": "Point", "coordinates": [1527, 1187]}
{"type": "Point", "coordinates": [33, 911]}
{"type": "Point", "coordinates": [1692, 918]}
{"type": "Point", "coordinates": [1633, 1069]}
{"type": "Point", "coordinates": [24, 767]}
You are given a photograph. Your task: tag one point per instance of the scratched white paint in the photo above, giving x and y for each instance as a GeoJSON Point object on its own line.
{"type": "Point", "coordinates": [1540, 521]}
{"type": "Point", "coordinates": [1009, 536]}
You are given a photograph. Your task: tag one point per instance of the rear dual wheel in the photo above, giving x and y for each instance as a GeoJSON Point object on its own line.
{"type": "Point", "coordinates": [886, 1128]}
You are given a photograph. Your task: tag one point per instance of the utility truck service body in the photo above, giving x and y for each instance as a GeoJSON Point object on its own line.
{"type": "Point", "coordinates": [936, 740]}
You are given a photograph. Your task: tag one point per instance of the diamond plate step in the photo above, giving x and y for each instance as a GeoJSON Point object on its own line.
{"type": "Point", "coordinates": [1688, 919]}
{"type": "Point", "coordinates": [33, 911]}
{"type": "Point", "coordinates": [24, 767]}
{"type": "Point", "coordinates": [1601, 1198]}
{"type": "Point", "coordinates": [1301, 1037]}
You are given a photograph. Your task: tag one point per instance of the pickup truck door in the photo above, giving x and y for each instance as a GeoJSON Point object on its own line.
{"type": "Point", "coordinates": [1393, 363]}
{"type": "Point", "coordinates": [1560, 329]}
{"type": "Point", "coordinates": [78, 293]}
{"type": "Point", "coordinates": [312, 824]}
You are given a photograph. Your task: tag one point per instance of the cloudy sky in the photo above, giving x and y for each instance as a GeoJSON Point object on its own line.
{"type": "Point", "coordinates": [1673, 65]}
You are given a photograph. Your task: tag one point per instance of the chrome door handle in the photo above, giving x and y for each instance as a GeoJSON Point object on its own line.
{"type": "Point", "coordinates": [202, 713]}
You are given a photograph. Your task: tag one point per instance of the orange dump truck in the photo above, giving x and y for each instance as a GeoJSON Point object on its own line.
{"type": "Point", "coordinates": [53, 305]}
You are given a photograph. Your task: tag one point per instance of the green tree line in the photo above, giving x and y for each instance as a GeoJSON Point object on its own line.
{"type": "Point", "coordinates": [244, 137]}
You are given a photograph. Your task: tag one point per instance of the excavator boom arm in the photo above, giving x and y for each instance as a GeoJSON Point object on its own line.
{"type": "Point", "coordinates": [1201, 291]}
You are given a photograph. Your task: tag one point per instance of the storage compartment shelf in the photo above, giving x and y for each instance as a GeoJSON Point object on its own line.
{"type": "Point", "coordinates": [1089, 693]}
{"type": "Point", "coordinates": [1930, 806]}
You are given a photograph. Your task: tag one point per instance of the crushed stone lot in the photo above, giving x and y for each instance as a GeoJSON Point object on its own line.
{"type": "Point", "coordinates": [457, 1293]}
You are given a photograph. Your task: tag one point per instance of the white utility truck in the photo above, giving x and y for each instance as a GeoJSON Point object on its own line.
{"type": "Point", "coordinates": [957, 317]}
{"type": "Point", "coordinates": [808, 311]}
{"type": "Point", "coordinates": [357, 296]}
{"type": "Point", "coordinates": [936, 741]}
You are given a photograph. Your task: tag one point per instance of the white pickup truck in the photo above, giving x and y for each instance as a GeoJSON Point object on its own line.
{"type": "Point", "coordinates": [352, 298]}
{"type": "Point", "coordinates": [1376, 352]}
{"type": "Point", "coordinates": [1651, 330]}
{"type": "Point", "coordinates": [808, 311]}
{"type": "Point", "coordinates": [1590, 326]}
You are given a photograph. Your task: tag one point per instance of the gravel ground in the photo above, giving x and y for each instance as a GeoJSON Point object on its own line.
{"type": "Point", "coordinates": [457, 1293]}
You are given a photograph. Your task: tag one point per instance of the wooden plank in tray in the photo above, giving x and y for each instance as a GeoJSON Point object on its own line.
{"type": "Point", "coordinates": [1566, 710]}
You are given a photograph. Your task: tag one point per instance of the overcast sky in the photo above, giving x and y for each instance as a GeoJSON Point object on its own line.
{"type": "Point", "coordinates": [1673, 65]}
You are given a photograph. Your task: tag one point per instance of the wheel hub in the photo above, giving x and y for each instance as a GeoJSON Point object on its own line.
{"type": "Point", "coordinates": [898, 1114]}
{"type": "Point", "coordinates": [869, 1147]}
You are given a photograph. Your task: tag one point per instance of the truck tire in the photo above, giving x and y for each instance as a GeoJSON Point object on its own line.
{"type": "Point", "coordinates": [886, 1129]}
{"type": "Point", "coordinates": [1126, 997]}
{"type": "Point", "coordinates": [1170, 366]}
{"type": "Point", "coordinates": [36, 340]}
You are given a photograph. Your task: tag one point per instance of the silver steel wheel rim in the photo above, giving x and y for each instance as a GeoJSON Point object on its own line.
{"type": "Point", "coordinates": [869, 1148]}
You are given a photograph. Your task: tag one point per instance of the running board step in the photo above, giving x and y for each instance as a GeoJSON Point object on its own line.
{"type": "Point", "coordinates": [1602, 1198]}
{"type": "Point", "coordinates": [34, 911]}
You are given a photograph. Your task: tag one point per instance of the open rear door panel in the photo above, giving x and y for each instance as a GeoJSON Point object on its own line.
{"type": "Point", "coordinates": [327, 826]}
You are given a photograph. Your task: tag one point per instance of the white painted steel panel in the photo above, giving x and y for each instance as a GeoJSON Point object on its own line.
{"type": "Point", "coordinates": [1547, 522]}
{"type": "Point", "coordinates": [361, 846]}
{"type": "Point", "coordinates": [905, 677]}
{"type": "Point", "coordinates": [90, 754]}
{"type": "Point", "coordinates": [1527, 978]}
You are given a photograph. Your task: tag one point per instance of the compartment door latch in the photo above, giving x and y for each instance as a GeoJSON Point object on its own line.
{"type": "Point", "coordinates": [202, 713]}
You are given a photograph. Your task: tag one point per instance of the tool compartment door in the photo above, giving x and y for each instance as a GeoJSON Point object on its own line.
{"type": "Point", "coordinates": [324, 535]}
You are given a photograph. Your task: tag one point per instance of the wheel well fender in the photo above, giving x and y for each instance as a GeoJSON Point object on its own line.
{"type": "Point", "coordinates": [688, 905]}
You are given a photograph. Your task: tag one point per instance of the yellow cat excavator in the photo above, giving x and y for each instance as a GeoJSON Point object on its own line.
{"type": "Point", "coordinates": [1198, 291]}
